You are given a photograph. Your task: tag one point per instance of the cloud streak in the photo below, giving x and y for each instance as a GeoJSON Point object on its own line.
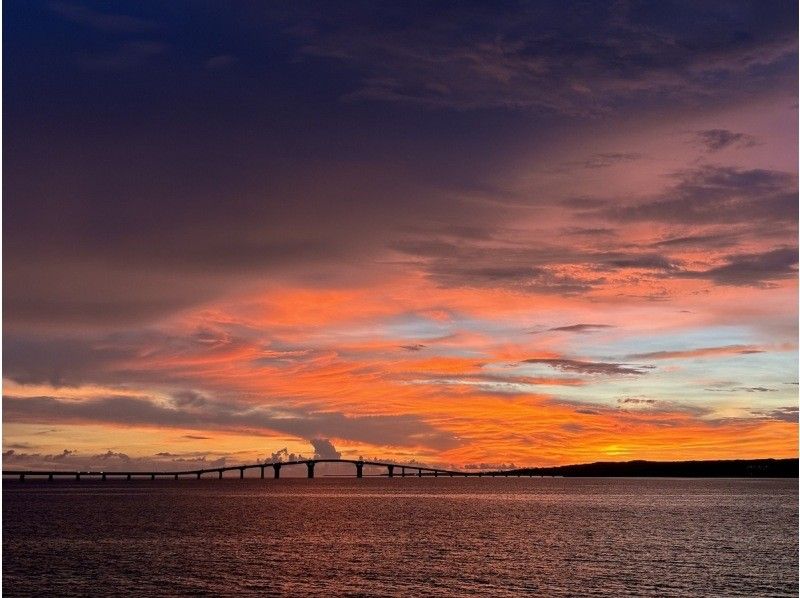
{"type": "Point", "coordinates": [403, 430]}
{"type": "Point", "coordinates": [590, 367]}
{"type": "Point", "coordinates": [699, 352]}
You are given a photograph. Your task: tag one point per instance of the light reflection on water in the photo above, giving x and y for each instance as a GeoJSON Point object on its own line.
{"type": "Point", "coordinates": [404, 536]}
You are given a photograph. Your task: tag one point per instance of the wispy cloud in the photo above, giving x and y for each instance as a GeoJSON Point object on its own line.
{"type": "Point", "coordinates": [699, 352]}
{"type": "Point", "coordinates": [590, 367]}
{"type": "Point", "coordinates": [581, 328]}
{"type": "Point", "coordinates": [714, 140]}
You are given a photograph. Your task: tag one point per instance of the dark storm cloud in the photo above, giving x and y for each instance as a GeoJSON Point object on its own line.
{"type": "Point", "coordinates": [590, 367]}
{"type": "Point", "coordinates": [562, 57]}
{"type": "Point", "coordinates": [399, 430]}
{"type": "Point", "coordinates": [715, 140]}
{"type": "Point", "coordinates": [144, 191]}
{"type": "Point", "coordinates": [751, 269]}
{"type": "Point", "coordinates": [132, 194]}
{"type": "Point", "coordinates": [719, 195]}
{"type": "Point", "coordinates": [58, 362]}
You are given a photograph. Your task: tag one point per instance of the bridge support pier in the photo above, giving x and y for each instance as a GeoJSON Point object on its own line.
{"type": "Point", "coordinates": [262, 472]}
{"type": "Point", "coordinates": [103, 477]}
{"type": "Point", "coordinates": [129, 477]}
{"type": "Point", "coordinates": [77, 477]}
{"type": "Point", "coordinates": [152, 477]}
{"type": "Point", "coordinates": [435, 474]}
{"type": "Point", "coordinates": [241, 473]}
{"type": "Point", "coordinates": [310, 465]}
{"type": "Point", "coordinates": [403, 472]}
{"type": "Point", "coordinates": [419, 473]}
{"type": "Point", "coordinates": [176, 476]}
{"type": "Point", "coordinates": [391, 470]}
{"type": "Point", "coordinates": [359, 469]}
{"type": "Point", "coordinates": [198, 475]}
{"type": "Point", "coordinates": [50, 478]}
{"type": "Point", "coordinates": [277, 468]}
{"type": "Point", "coordinates": [220, 474]}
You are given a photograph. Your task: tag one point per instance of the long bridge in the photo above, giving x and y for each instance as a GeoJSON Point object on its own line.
{"type": "Point", "coordinates": [392, 470]}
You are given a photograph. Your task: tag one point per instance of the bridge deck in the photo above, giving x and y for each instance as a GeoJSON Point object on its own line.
{"type": "Point", "coordinates": [405, 469]}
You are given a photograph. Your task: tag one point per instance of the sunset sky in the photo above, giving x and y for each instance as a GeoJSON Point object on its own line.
{"type": "Point", "coordinates": [463, 234]}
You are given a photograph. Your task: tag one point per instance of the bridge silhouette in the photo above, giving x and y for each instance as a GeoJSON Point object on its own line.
{"type": "Point", "coordinates": [392, 470]}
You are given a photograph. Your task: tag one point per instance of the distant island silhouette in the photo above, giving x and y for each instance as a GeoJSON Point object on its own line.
{"type": "Point", "coordinates": [736, 468]}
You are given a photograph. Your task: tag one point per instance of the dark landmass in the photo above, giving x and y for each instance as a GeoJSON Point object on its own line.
{"type": "Point", "coordinates": [738, 468]}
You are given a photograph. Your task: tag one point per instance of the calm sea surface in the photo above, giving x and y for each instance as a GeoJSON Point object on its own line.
{"type": "Point", "coordinates": [402, 537]}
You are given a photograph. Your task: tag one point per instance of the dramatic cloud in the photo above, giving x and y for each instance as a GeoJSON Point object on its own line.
{"type": "Point", "coordinates": [546, 57]}
{"type": "Point", "coordinates": [752, 268]}
{"type": "Point", "coordinates": [715, 140]}
{"type": "Point", "coordinates": [402, 430]}
{"type": "Point", "coordinates": [324, 449]}
{"type": "Point", "coordinates": [250, 261]}
{"type": "Point", "coordinates": [718, 195]}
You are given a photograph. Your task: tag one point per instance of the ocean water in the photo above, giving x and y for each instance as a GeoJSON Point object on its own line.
{"type": "Point", "coordinates": [402, 537]}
